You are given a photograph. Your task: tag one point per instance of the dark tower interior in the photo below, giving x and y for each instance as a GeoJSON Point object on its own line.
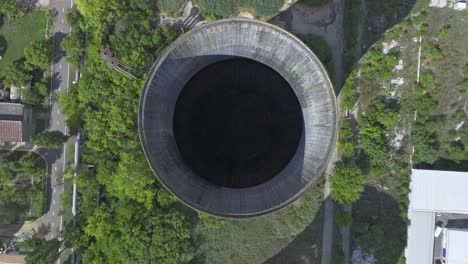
{"type": "Point", "coordinates": [237, 123]}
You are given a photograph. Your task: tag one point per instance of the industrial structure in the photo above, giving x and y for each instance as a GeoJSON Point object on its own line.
{"type": "Point", "coordinates": [237, 118]}
{"type": "Point", "coordinates": [438, 199]}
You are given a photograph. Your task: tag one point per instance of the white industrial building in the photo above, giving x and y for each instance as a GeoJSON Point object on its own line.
{"type": "Point", "coordinates": [435, 192]}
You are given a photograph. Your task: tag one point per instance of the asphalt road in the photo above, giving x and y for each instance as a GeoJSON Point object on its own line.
{"type": "Point", "coordinates": [52, 221]}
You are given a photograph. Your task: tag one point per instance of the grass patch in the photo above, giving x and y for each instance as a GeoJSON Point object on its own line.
{"type": "Point", "coordinates": [171, 7]}
{"type": "Point", "coordinates": [229, 8]}
{"type": "Point", "coordinates": [19, 33]}
{"type": "Point", "coordinates": [283, 237]}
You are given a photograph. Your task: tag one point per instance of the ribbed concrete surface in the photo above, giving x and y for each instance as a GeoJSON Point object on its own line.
{"type": "Point", "coordinates": [218, 41]}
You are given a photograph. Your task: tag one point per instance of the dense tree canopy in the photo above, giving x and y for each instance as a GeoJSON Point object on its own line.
{"type": "Point", "coordinates": [346, 184]}
{"type": "Point", "coordinates": [18, 74]}
{"type": "Point", "coordinates": [39, 53]}
{"type": "Point", "coordinates": [16, 191]}
{"type": "Point", "coordinates": [124, 215]}
{"type": "Point", "coordinates": [10, 8]}
{"type": "Point", "coordinates": [37, 96]}
{"type": "Point", "coordinates": [49, 139]}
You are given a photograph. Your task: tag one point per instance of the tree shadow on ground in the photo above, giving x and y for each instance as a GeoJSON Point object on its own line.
{"type": "Point", "coordinates": [3, 45]}
{"type": "Point", "coordinates": [378, 226]}
{"type": "Point", "coordinates": [58, 53]}
{"type": "Point", "coordinates": [50, 155]}
{"type": "Point", "coordinates": [301, 250]}
{"type": "Point", "coordinates": [338, 23]}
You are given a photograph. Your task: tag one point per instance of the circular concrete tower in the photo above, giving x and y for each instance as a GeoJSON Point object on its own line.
{"type": "Point", "coordinates": [237, 118]}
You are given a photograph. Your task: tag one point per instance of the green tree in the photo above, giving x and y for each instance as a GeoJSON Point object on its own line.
{"type": "Point", "coordinates": [348, 93]}
{"type": "Point", "coordinates": [346, 184]}
{"type": "Point", "coordinates": [49, 139]}
{"type": "Point", "coordinates": [210, 221]}
{"type": "Point", "coordinates": [346, 145]}
{"type": "Point", "coordinates": [45, 252]}
{"type": "Point", "coordinates": [38, 95]}
{"type": "Point", "coordinates": [39, 53]}
{"type": "Point", "coordinates": [74, 46]}
{"type": "Point", "coordinates": [18, 74]}
{"type": "Point", "coordinates": [10, 8]}
{"type": "Point", "coordinates": [69, 103]}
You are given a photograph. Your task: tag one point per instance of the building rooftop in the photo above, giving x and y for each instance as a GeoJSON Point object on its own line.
{"type": "Point", "coordinates": [439, 191]}
{"type": "Point", "coordinates": [457, 241]}
{"type": "Point", "coordinates": [433, 192]}
{"type": "Point", "coordinates": [11, 131]}
{"type": "Point", "coordinates": [10, 111]}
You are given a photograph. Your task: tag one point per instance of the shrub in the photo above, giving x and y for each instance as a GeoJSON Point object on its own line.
{"type": "Point", "coordinates": [444, 32]}
{"type": "Point", "coordinates": [346, 146]}
{"type": "Point", "coordinates": [210, 221]}
{"type": "Point", "coordinates": [171, 6]}
{"type": "Point", "coordinates": [346, 184]}
{"type": "Point", "coordinates": [464, 87]}
{"type": "Point", "coordinates": [426, 79]}
{"type": "Point", "coordinates": [380, 66]}
{"type": "Point", "coordinates": [348, 92]}
{"type": "Point", "coordinates": [49, 139]}
{"type": "Point", "coordinates": [433, 51]}
{"type": "Point", "coordinates": [39, 53]}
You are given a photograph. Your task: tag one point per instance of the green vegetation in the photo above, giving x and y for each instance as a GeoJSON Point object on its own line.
{"type": "Point", "coordinates": [230, 8]}
{"type": "Point", "coordinates": [346, 184]}
{"type": "Point", "coordinates": [18, 74]}
{"type": "Point", "coordinates": [69, 103]}
{"type": "Point", "coordinates": [282, 237]}
{"type": "Point", "coordinates": [124, 215]}
{"type": "Point", "coordinates": [345, 140]}
{"type": "Point", "coordinates": [18, 35]}
{"type": "Point", "coordinates": [49, 139]}
{"type": "Point", "coordinates": [21, 181]}
{"type": "Point", "coordinates": [394, 118]}
{"type": "Point", "coordinates": [38, 95]}
{"type": "Point", "coordinates": [342, 218]}
{"type": "Point", "coordinates": [171, 7]}
{"type": "Point", "coordinates": [74, 42]}
{"type": "Point", "coordinates": [347, 93]}
{"type": "Point", "coordinates": [41, 251]}
{"type": "Point", "coordinates": [320, 47]}
{"type": "Point", "coordinates": [39, 53]}
{"type": "Point", "coordinates": [11, 8]}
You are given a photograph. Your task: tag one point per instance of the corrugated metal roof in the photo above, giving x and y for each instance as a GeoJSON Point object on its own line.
{"type": "Point", "coordinates": [439, 191]}
{"type": "Point", "coordinates": [420, 237]}
{"type": "Point", "coordinates": [457, 242]}
{"type": "Point", "coordinates": [11, 109]}
{"type": "Point", "coordinates": [11, 131]}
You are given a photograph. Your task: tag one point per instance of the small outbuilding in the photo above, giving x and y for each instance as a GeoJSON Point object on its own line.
{"type": "Point", "coordinates": [15, 123]}
{"type": "Point", "coordinates": [460, 5]}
